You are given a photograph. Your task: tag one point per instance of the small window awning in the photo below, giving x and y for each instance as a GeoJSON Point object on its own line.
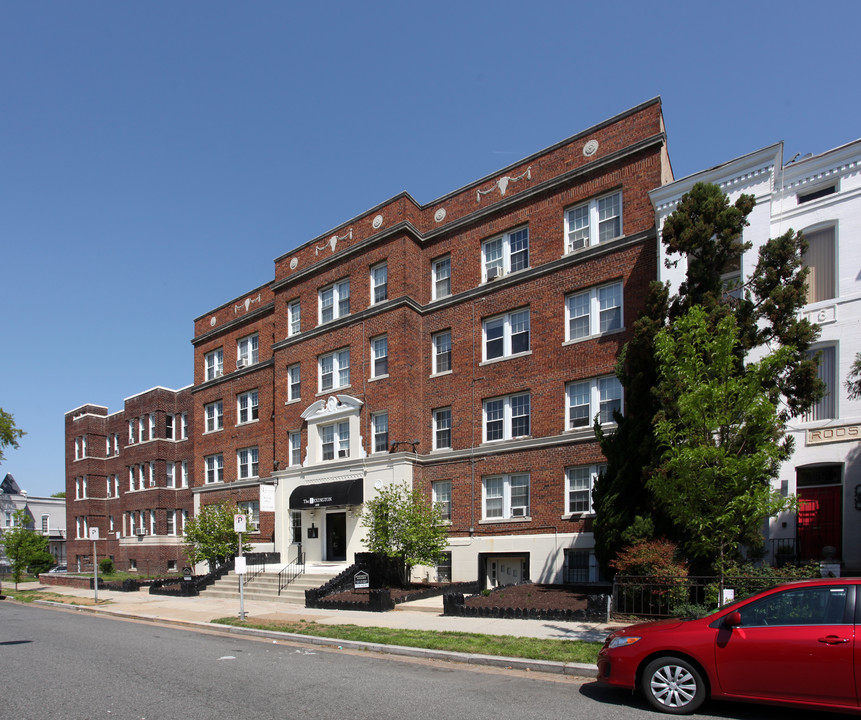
{"type": "Point", "coordinates": [330, 494]}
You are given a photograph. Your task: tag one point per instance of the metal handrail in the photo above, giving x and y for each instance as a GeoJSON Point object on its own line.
{"type": "Point", "coordinates": [253, 568]}
{"type": "Point", "coordinates": [291, 571]}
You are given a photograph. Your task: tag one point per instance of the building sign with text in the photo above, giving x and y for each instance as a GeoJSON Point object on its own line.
{"type": "Point", "coordinates": [842, 433]}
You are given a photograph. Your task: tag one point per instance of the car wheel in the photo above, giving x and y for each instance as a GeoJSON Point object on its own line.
{"type": "Point", "coordinates": [673, 685]}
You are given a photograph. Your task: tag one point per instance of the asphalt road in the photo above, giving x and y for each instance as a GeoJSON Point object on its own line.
{"type": "Point", "coordinates": [70, 666]}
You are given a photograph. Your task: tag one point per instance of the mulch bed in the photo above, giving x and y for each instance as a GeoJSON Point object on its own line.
{"type": "Point", "coordinates": [363, 596]}
{"type": "Point", "coordinates": [536, 597]}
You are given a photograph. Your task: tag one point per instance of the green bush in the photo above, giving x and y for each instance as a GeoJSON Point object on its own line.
{"type": "Point", "coordinates": [747, 578]}
{"type": "Point", "coordinates": [106, 566]}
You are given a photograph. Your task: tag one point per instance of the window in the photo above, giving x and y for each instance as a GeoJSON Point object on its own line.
{"type": "Point", "coordinates": [152, 426]}
{"type": "Point", "coordinates": [505, 496]}
{"type": "Point", "coordinates": [443, 568]}
{"type": "Point", "coordinates": [580, 566]}
{"type": "Point", "coordinates": [379, 283]}
{"type": "Point", "coordinates": [441, 352]}
{"type": "Point", "coordinates": [441, 285]}
{"type": "Point", "coordinates": [506, 335]}
{"type": "Point", "coordinates": [116, 443]}
{"type": "Point", "coordinates": [579, 482]}
{"type": "Point", "coordinates": [294, 384]}
{"type": "Point", "coordinates": [593, 312]}
{"type": "Point", "coordinates": [152, 522]}
{"type": "Point", "coordinates": [593, 222]}
{"type": "Point", "coordinates": [380, 352]}
{"type": "Point", "coordinates": [247, 461]}
{"type": "Point", "coordinates": [587, 398]}
{"type": "Point", "coordinates": [505, 254]}
{"type": "Point", "coordinates": [506, 417]}
{"type": "Point", "coordinates": [246, 351]}
{"type": "Point", "coordinates": [335, 437]}
{"type": "Point", "coordinates": [141, 428]}
{"type": "Point", "coordinates": [171, 522]}
{"type": "Point", "coordinates": [295, 448]}
{"type": "Point", "coordinates": [151, 474]}
{"type": "Point", "coordinates": [380, 423]}
{"type": "Point", "coordinates": [107, 445]}
{"type": "Point", "coordinates": [131, 431]}
{"type": "Point", "coordinates": [214, 416]}
{"type": "Point", "coordinates": [183, 426]}
{"type": "Point", "coordinates": [441, 493]}
{"type": "Point", "coordinates": [334, 301]}
{"type": "Point", "coordinates": [183, 474]}
{"type": "Point", "coordinates": [170, 469]}
{"type": "Point", "coordinates": [168, 426]}
{"type": "Point", "coordinates": [826, 407]}
{"type": "Point", "coordinates": [821, 605]}
{"type": "Point", "coordinates": [45, 524]}
{"type": "Point", "coordinates": [251, 508]}
{"type": "Point", "coordinates": [296, 527]}
{"type": "Point", "coordinates": [131, 478]}
{"type": "Point", "coordinates": [334, 370]}
{"type": "Point", "coordinates": [811, 195]}
{"type": "Point", "coordinates": [214, 468]}
{"type": "Point", "coordinates": [294, 318]}
{"type": "Point", "coordinates": [820, 261]}
{"type": "Point", "coordinates": [140, 476]}
{"type": "Point", "coordinates": [214, 364]}
{"type": "Point", "coordinates": [246, 407]}
{"type": "Point", "coordinates": [442, 428]}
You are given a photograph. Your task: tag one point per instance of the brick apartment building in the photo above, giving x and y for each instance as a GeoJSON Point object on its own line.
{"type": "Point", "coordinates": [463, 347]}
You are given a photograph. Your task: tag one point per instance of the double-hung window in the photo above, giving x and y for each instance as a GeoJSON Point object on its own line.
{"type": "Point", "coordinates": [170, 515]}
{"type": "Point", "coordinates": [334, 301]}
{"type": "Point", "coordinates": [214, 416]}
{"type": "Point", "coordinates": [380, 423]}
{"type": "Point", "coordinates": [442, 428]}
{"type": "Point", "coordinates": [593, 312]}
{"type": "Point", "coordinates": [296, 448]}
{"type": "Point", "coordinates": [214, 364]}
{"type": "Point", "coordinates": [247, 351]}
{"type": "Point", "coordinates": [441, 493]}
{"type": "Point", "coordinates": [579, 482]}
{"type": "Point", "coordinates": [593, 222]}
{"type": "Point", "coordinates": [441, 352]}
{"type": "Point", "coordinates": [151, 426]}
{"type": "Point", "coordinates": [246, 407]}
{"type": "Point", "coordinates": [505, 496]}
{"type": "Point", "coordinates": [251, 509]}
{"type": "Point", "coordinates": [335, 440]}
{"type": "Point", "coordinates": [214, 468]}
{"type": "Point", "coordinates": [506, 335]}
{"type": "Point", "coordinates": [380, 359]}
{"type": "Point", "coordinates": [169, 470]}
{"type": "Point", "coordinates": [379, 283]}
{"type": "Point", "coordinates": [441, 279]}
{"type": "Point", "coordinates": [587, 398]}
{"type": "Point", "coordinates": [505, 254]}
{"type": "Point", "coordinates": [826, 407]}
{"type": "Point", "coordinates": [334, 370]}
{"type": "Point", "coordinates": [294, 384]}
{"type": "Point", "coordinates": [294, 318]}
{"type": "Point", "coordinates": [506, 417]}
{"type": "Point", "coordinates": [247, 462]}
{"type": "Point", "coordinates": [169, 425]}
{"type": "Point", "coordinates": [183, 477]}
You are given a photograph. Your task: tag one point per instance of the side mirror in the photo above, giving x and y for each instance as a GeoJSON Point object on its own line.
{"type": "Point", "coordinates": [732, 620]}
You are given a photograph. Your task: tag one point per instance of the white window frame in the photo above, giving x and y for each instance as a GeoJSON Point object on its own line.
{"type": "Point", "coordinates": [214, 364]}
{"type": "Point", "coordinates": [583, 222]}
{"type": "Point", "coordinates": [213, 468]}
{"type": "Point", "coordinates": [441, 278]}
{"type": "Point", "coordinates": [576, 476]}
{"type": "Point", "coordinates": [337, 435]}
{"type": "Point", "coordinates": [170, 474]}
{"type": "Point", "coordinates": [504, 251]}
{"type": "Point", "coordinates": [170, 426]}
{"type": "Point", "coordinates": [591, 300]}
{"type": "Point", "coordinates": [183, 478]}
{"type": "Point", "coordinates": [247, 463]}
{"type": "Point", "coordinates": [152, 474]}
{"type": "Point", "coordinates": [251, 399]}
{"type": "Point", "coordinates": [441, 495]}
{"type": "Point", "coordinates": [213, 414]}
{"type": "Point", "coordinates": [294, 318]}
{"type": "Point", "coordinates": [247, 350]}
{"type": "Point", "coordinates": [131, 431]}
{"type": "Point", "coordinates": [333, 300]}
{"type": "Point", "coordinates": [251, 509]}
{"type": "Point", "coordinates": [379, 283]}
{"type": "Point", "coordinates": [183, 425]}
{"type": "Point", "coordinates": [441, 347]}
{"type": "Point", "coordinates": [505, 411]}
{"type": "Point", "coordinates": [294, 382]}
{"type": "Point", "coordinates": [295, 439]}
{"type": "Point", "coordinates": [380, 432]}
{"type": "Point", "coordinates": [170, 519]}
{"type": "Point", "coordinates": [826, 408]}
{"type": "Point", "coordinates": [501, 487]}
{"type": "Point", "coordinates": [379, 357]}
{"type": "Point", "coordinates": [594, 390]}
{"type": "Point", "coordinates": [511, 325]}
{"type": "Point", "coordinates": [441, 425]}
{"type": "Point", "coordinates": [152, 426]}
{"type": "Point", "coordinates": [340, 372]}
{"type": "Point", "coordinates": [822, 280]}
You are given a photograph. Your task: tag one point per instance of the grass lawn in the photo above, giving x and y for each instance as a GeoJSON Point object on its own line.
{"type": "Point", "coordinates": [578, 651]}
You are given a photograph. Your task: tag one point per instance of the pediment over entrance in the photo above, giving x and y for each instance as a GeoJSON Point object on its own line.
{"type": "Point", "coordinates": [334, 405]}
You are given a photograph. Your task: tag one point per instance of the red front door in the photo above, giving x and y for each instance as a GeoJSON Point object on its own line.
{"type": "Point", "coordinates": [819, 521]}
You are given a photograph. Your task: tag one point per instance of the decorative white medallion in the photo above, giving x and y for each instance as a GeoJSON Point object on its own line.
{"type": "Point", "coordinates": [293, 263]}
{"type": "Point", "coordinates": [212, 321]}
{"type": "Point", "coordinates": [378, 222]}
{"type": "Point", "coordinates": [439, 215]}
{"type": "Point", "coordinates": [590, 148]}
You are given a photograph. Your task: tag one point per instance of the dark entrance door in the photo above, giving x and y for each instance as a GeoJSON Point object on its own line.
{"type": "Point", "coordinates": [819, 521]}
{"type": "Point", "coordinates": [336, 536]}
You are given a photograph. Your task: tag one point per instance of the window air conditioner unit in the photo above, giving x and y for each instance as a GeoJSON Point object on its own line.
{"type": "Point", "coordinates": [518, 512]}
{"type": "Point", "coordinates": [140, 532]}
{"type": "Point", "coordinates": [253, 527]}
{"type": "Point", "coordinates": [241, 363]}
{"type": "Point", "coordinates": [343, 453]}
{"type": "Point", "coordinates": [494, 273]}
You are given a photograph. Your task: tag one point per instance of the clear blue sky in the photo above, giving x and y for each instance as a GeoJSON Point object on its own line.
{"type": "Point", "coordinates": [156, 157]}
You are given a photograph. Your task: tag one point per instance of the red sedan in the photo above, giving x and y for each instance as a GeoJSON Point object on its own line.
{"type": "Point", "coordinates": [794, 645]}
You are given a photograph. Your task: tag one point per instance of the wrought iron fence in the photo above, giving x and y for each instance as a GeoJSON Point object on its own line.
{"type": "Point", "coordinates": [293, 570]}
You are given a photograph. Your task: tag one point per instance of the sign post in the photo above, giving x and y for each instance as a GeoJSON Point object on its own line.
{"type": "Point", "coordinates": [239, 525]}
{"type": "Point", "coordinates": [94, 535]}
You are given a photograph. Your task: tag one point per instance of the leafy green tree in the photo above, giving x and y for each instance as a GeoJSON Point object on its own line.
{"type": "Point", "coordinates": [9, 433]}
{"type": "Point", "coordinates": [853, 382]}
{"type": "Point", "coordinates": [404, 525]}
{"type": "Point", "coordinates": [210, 536]}
{"type": "Point", "coordinates": [724, 442]}
{"type": "Point", "coordinates": [59, 494]}
{"type": "Point", "coordinates": [22, 545]}
{"type": "Point", "coordinates": [707, 229]}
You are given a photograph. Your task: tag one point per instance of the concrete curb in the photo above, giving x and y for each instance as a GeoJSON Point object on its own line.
{"type": "Point", "coordinates": [543, 666]}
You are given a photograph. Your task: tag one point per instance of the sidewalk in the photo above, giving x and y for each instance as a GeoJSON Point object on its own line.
{"type": "Point", "coordinates": [418, 615]}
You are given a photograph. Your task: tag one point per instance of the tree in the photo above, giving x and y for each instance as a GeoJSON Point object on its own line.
{"type": "Point", "coordinates": [853, 382]}
{"type": "Point", "coordinates": [707, 230]}
{"type": "Point", "coordinates": [405, 526]}
{"type": "Point", "coordinates": [723, 443]}
{"type": "Point", "coordinates": [9, 434]}
{"type": "Point", "coordinates": [23, 545]}
{"type": "Point", "coordinates": [59, 494]}
{"type": "Point", "coordinates": [210, 536]}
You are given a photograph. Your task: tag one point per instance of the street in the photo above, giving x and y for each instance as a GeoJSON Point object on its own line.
{"type": "Point", "coordinates": [71, 665]}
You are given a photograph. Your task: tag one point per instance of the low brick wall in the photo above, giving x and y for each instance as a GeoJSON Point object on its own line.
{"type": "Point", "coordinates": [76, 581]}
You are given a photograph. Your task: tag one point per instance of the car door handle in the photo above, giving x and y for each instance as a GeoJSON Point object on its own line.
{"type": "Point", "coordinates": [833, 640]}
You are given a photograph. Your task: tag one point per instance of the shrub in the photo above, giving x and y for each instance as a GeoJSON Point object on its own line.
{"type": "Point", "coordinates": [650, 557]}
{"type": "Point", "coordinates": [106, 566]}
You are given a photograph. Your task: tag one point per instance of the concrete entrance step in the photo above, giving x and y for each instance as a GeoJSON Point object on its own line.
{"type": "Point", "coordinates": [265, 586]}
